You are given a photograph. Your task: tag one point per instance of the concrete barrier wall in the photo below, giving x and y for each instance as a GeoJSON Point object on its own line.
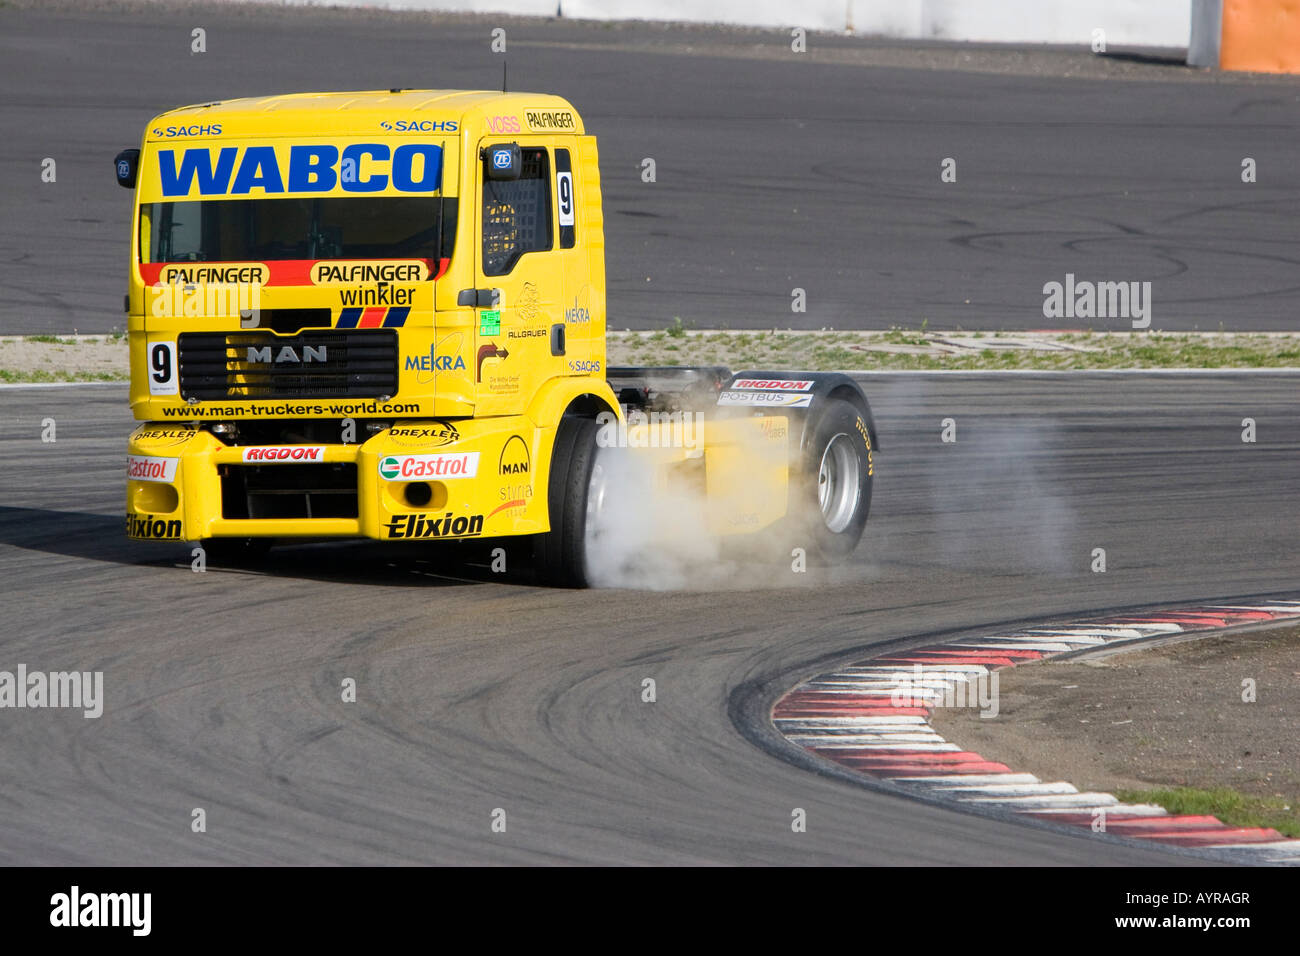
{"type": "Point", "coordinates": [1125, 22]}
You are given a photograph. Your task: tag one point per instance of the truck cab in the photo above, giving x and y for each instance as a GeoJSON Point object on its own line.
{"type": "Point", "coordinates": [374, 314]}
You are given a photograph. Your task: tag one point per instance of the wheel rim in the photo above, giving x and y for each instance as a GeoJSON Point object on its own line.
{"type": "Point", "coordinates": [597, 489]}
{"type": "Point", "coordinates": [838, 481]}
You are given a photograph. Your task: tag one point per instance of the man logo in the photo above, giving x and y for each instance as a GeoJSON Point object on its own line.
{"type": "Point", "coordinates": [515, 459]}
{"type": "Point", "coordinates": [286, 355]}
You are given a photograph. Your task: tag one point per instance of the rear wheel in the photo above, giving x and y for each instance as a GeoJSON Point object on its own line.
{"type": "Point", "coordinates": [576, 491]}
{"type": "Point", "coordinates": [830, 493]}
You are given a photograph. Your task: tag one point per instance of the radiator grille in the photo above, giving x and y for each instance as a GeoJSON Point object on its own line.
{"type": "Point", "coordinates": [289, 491]}
{"type": "Point", "coordinates": [217, 366]}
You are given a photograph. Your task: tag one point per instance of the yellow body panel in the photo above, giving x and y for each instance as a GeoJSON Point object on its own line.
{"type": "Point", "coordinates": [498, 375]}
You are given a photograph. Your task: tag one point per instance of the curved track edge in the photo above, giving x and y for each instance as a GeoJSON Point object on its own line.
{"type": "Point", "coordinates": [866, 719]}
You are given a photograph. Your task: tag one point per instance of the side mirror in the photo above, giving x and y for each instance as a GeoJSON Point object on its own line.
{"type": "Point", "coordinates": [502, 161]}
{"type": "Point", "coordinates": [128, 166]}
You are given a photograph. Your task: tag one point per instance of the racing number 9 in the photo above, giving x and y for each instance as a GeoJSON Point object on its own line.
{"type": "Point", "coordinates": [567, 200]}
{"type": "Point", "coordinates": [162, 368]}
{"type": "Point", "coordinates": [564, 186]}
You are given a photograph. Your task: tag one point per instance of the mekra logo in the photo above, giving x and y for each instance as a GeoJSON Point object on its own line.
{"type": "Point", "coordinates": [577, 314]}
{"type": "Point", "coordinates": [434, 363]}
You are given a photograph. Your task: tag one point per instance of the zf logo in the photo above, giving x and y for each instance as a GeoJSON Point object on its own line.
{"type": "Point", "coordinates": [501, 158]}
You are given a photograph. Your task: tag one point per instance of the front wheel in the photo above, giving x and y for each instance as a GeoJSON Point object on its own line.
{"type": "Point", "coordinates": [560, 555]}
{"type": "Point", "coordinates": [830, 492]}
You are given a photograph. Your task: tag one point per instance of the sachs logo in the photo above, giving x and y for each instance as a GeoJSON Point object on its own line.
{"type": "Point", "coordinates": [419, 126]}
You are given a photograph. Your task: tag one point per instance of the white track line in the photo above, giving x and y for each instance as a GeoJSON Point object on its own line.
{"type": "Point", "coordinates": [973, 779]}
{"type": "Point", "coordinates": [1011, 789]}
{"type": "Point", "coordinates": [1114, 810]}
{"type": "Point", "coordinates": [1060, 800]}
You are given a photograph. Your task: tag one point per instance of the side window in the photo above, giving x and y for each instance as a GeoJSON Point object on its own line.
{"type": "Point", "coordinates": [517, 213]}
{"type": "Point", "coordinates": [565, 198]}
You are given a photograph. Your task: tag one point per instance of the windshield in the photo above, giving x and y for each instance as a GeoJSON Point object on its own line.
{"type": "Point", "coordinates": [266, 230]}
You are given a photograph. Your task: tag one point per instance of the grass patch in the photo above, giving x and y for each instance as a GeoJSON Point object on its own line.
{"type": "Point", "coordinates": [896, 349]}
{"type": "Point", "coordinates": [1233, 808]}
{"type": "Point", "coordinates": [925, 350]}
{"type": "Point", "coordinates": [36, 376]}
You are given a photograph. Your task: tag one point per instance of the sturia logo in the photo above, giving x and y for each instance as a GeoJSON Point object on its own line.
{"type": "Point", "coordinates": [287, 355]}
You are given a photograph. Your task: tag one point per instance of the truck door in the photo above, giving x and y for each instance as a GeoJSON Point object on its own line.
{"type": "Point", "coordinates": [583, 298]}
{"type": "Point", "coordinates": [521, 341]}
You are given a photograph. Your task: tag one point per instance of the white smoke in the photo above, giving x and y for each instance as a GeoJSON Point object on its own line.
{"type": "Point", "coordinates": [1002, 498]}
{"type": "Point", "coordinates": [653, 529]}
{"type": "Point", "coordinates": [649, 537]}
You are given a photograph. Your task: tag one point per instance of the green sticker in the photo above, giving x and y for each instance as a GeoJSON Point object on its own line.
{"type": "Point", "coordinates": [489, 322]}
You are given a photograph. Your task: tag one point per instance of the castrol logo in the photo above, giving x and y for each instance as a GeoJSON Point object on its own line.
{"type": "Point", "coordinates": [408, 467]}
{"type": "Point", "coordinates": [148, 468]}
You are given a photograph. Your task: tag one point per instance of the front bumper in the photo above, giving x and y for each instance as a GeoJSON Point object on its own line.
{"type": "Point", "coordinates": [429, 480]}
{"type": "Point", "coordinates": [420, 480]}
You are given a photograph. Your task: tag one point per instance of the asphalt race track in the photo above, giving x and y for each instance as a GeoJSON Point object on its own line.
{"type": "Point", "coordinates": [475, 693]}
{"type": "Point", "coordinates": [478, 691]}
{"type": "Point", "coordinates": [774, 170]}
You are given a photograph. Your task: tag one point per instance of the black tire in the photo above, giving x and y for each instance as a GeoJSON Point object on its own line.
{"type": "Point", "coordinates": [235, 552]}
{"type": "Point", "coordinates": [560, 555]}
{"type": "Point", "coordinates": [835, 464]}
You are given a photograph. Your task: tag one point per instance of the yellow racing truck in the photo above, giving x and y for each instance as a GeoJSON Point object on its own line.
{"type": "Point", "coordinates": [382, 315]}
